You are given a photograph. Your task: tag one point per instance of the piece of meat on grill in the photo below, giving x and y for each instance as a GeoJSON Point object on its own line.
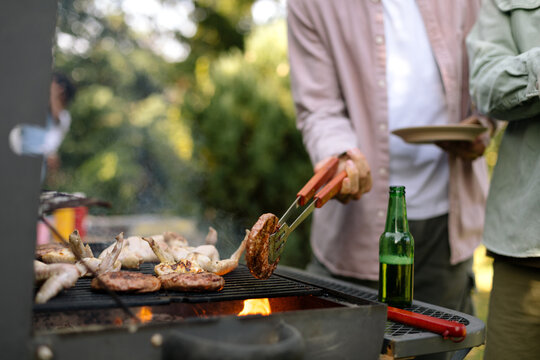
{"type": "Point", "coordinates": [195, 260]}
{"type": "Point", "coordinates": [168, 264]}
{"type": "Point", "coordinates": [75, 250]}
{"type": "Point", "coordinates": [211, 237]}
{"type": "Point", "coordinates": [258, 246]}
{"type": "Point", "coordinates": [60, 276]}
{"type": "Point", "coordinates": [172, 238]}
{"type": "Point", "coordinates": [110, 263]}
{"type": "Point", "coordinates": [78, 247]}
{"type": "Point", "coordinates": [94, 266]}
{"type": "Point", "coordinates": [179, 247]}
{"type": "Point", "coordinates": [177, 267]}
{"type": "Point", "coordinates": [219, 267]}
{"type": "Point", "coordinates": [127, 281]}
{"type": "Point", "coordinates": [62, 255]}
{"type": "Point", "coordinates": [197, 282]}
{"type": "Point", "coordinates": [57, 277]}
{"type": "Point", "coordinates": [43, 271]}
{"type": "Point", "coordinates": [136, 251]}
{"type": "Point", "coordinates": [43, 249]}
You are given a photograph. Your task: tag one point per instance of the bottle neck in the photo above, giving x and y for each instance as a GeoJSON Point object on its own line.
{"type": "Point", "coordinates": [396, 217]}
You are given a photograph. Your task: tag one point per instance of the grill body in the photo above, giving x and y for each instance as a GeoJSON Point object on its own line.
{"type": "Point", "coordinates": [326, 325]}
{"type": "Point", "coordinates": [333, 319]}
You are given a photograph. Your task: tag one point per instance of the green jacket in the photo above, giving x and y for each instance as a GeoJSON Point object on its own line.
{"type": "Point", "coordinates": [504, 52]}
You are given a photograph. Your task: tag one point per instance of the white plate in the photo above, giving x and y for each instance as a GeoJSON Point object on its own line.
{"type": "Point", "coordinates": [431, 134]}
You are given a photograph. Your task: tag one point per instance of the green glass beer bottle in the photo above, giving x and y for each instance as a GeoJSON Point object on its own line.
{"type": "Point", "coordinates": [396, 253]}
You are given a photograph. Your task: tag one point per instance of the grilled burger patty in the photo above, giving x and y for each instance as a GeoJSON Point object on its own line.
{"type": "Point", "coordinates": [202, 281]}
{"type": "Point", "coordinates": [257, 246]}
{"type": "Point", "coordinates": [127, 281]}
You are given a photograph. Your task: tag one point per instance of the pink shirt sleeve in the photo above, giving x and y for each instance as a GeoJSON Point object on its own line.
{"type": "Point", "coordinates": [321, 111]}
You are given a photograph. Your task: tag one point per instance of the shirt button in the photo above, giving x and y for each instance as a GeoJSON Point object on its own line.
{"type": "Point", "coordinates": [381, 83]}
{"type": "Point", "coordinates": [383, 171]}
{"type": "Point", "coordinates": [379, 39]}
{"type": "Point", "coordinates": [375, 1]}
{"type": "Point", "coordinates": [380, 213]}
{"type": "Point", "coordinates": [382, 127]}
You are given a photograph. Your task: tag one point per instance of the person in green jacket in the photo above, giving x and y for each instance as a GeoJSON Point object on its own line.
{"type": "Point", "coordinates": [504, 52]}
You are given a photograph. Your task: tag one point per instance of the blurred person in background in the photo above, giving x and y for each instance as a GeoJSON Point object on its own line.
{"type": "Point", "coordinates": [36, 140]}
{"type": "Point", "coordinates": [360, 69]}
{"type": "Point", "coordinates": [504, 50]}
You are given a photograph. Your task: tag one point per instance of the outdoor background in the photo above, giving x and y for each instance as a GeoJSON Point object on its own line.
{"type": "Point", "coordinates": [183, 109]}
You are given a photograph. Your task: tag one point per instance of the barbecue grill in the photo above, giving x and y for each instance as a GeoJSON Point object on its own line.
{"type": "Point", "coordinates": [312, 317]}
{"type": "Point", "coordinates": [326, 325]}
{"type": "Point", "coordinates": [325, 318]}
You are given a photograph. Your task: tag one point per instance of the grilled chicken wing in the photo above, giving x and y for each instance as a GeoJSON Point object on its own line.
{"type": "Point", "coordinates": [219, 267]}
{"type": "Point", "coordinates": [59, 276]}
{"type": "Point", "coordinates": [56, 279]}
{"type": "Point", "coordinates": [194, 259]}
{"type": "Point", "coordinates": [77, 246]}
{"type": "Point", "coordinates": [135, 252]}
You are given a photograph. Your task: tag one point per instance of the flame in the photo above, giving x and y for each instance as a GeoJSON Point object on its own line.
{"type": "Point", "coordinates": [145, 314]}
{"type": "Point", "coordinates": [256, 306]}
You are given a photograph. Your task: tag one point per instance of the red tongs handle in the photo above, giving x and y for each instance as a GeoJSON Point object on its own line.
{"type": "Point", "coordinates": [320, 178]}
{"type": "Point", "coordinates": [330, 189]}
{"type": "Point", "coordinates": [446, 328]}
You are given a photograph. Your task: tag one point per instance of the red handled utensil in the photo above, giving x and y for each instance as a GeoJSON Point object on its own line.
{"type": "Point", "coordinates": [325, 175]}
{"type": "Point", "coordinates": [446, 328]}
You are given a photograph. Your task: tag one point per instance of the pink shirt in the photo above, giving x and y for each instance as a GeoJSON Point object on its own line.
{"type": "Point", "coordinates": [338, 71]}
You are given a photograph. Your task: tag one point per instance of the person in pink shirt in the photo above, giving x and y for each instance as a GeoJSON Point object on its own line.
{"type": "Point", "coordinates": [360, 69]}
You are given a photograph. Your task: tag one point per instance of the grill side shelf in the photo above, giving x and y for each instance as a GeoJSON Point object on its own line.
{"type": "Point", "coordinates": [401, 340]}
{"type": "Point", "coordinates": [358, 294]}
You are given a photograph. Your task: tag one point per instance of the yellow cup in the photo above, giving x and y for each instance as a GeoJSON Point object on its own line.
{"type": "Point", "coordinates": [64, 220]}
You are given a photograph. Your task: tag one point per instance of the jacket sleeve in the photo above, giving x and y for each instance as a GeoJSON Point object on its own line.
{"type": "Point", "coordinates": [503, 79]}
{"type": "Point", "coordinates": [320, 107]}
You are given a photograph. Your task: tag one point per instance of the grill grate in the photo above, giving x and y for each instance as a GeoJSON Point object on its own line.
{"type": "Point", "coordinates": [239, 285]}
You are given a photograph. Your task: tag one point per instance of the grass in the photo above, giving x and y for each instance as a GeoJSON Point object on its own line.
{"type": "Point", "coordinates": [483, 273]}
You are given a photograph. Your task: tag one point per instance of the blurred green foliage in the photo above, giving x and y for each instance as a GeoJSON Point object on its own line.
{"type": "Point", "coordinates": [246, 143]}
{"type": "Point", "coordinates": [212, 137]}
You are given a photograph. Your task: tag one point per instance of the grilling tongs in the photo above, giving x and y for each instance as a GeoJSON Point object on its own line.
{"type": "Point", "coordinates": [320, 178]}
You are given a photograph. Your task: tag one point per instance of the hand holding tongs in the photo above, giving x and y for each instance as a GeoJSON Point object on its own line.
{"type": "Point", "coordinates": [321, 177]}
